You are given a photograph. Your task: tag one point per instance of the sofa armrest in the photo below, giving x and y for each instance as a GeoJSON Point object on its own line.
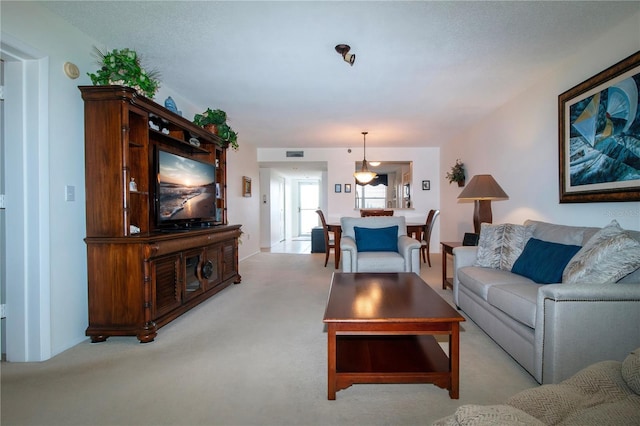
{"type": "Point", "coordinates": [583, 323]}
{"type": "Point", "coordinates": [348, 254]}
{"type": "Point", "coordinates": [409, 249]}
{"type": "Point", "coordinates": [462, 256]}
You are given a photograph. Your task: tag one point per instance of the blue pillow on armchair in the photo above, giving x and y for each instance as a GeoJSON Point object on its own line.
{"type": "Point", "coordinates": [377, 239]}
{"type": "Point", "coordinates": [543, 261]}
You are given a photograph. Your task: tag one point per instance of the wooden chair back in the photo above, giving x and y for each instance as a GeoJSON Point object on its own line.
{"type": "Point", "coordinates": [370, 212]}
{"type": "Point", "coordinates": [426, 235]}
{"type": "Point", "coordinates": [329, 242]}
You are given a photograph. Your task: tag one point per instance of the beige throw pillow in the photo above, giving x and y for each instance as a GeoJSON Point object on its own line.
{"type": "Point", "coordinates": [631, 370]}
{"type": "Point", "coordinates": [499, 246]}
{"type": "Point", "coordinates": [608, 256]}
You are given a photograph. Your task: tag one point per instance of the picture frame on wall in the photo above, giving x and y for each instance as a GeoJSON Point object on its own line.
{"type": "Point", "coordinates": [338, 187]}
{"type": "Point", "coordinates": [426, 185]}
{"type": "Point", "coordinates": [246, 186]}
{"type": "Point", "coordinates": [599, 136]}
{"type": "Point", "coordinates": [347, 188]}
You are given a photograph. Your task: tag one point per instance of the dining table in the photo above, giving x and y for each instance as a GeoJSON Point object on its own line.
{"type": "Point", "coordinates": [414, 229]}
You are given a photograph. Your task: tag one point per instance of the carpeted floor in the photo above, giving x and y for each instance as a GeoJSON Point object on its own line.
{"type": "Point", "coordinates": [255, 354]}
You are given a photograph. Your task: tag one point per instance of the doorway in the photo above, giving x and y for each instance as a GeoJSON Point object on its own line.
{"type": "Point", "coordinates": [309, 202]}
{"type": "Point", "coordinates": [300, 187]}
{"type": "Point", "coordinates": [26, 332]}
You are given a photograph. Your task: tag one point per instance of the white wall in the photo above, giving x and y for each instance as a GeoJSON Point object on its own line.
{"type": "Point", "coordinates": [62, 230]}
{"type": "Point", "coordinates": [244, 210]}
{"type": "Point", "coordinates": [518, 145]}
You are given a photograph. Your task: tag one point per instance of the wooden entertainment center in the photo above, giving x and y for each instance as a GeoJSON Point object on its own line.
{"type": "Point", "coordinates": [141, 276]}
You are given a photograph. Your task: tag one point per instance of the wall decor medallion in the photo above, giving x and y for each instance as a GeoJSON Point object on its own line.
{"type": "Point", "coordinates": [599, 136]}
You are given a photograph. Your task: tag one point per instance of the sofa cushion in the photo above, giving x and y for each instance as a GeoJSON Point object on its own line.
{"type": "Point", "coordinates": [500, 245]}
{"type": "Point", "coordinates": [479, 280]}
{"type": "Point", "coordinates": [376, 239]}
{"type": "Point", "coordinates": [631, 370]}
{"type": "Point", "coordinates": [516, 300]}
{"type": "Point", "coordinates": [562, 234]}
{"type": "Point", "coordinates": [608, 256]}
{"type": "Point", "coordinates": [380, 261]}
{"type": "Point", "coordinates": [544, 261]}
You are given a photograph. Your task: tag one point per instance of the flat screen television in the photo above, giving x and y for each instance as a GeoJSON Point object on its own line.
{"type": "Point", "coordinates": [185, 192]}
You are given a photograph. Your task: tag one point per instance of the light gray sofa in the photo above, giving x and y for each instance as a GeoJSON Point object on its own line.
{"type": "Point", "coordinates": [605, 393]}
{"type": "Point", "coordinates": [552, 330]}
{"type": "Point", "coordinates": [405, 259]}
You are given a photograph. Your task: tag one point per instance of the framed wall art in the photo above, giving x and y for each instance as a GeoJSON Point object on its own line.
{"type": "Point", "coordinates": [599, 136]}
{"type": "Point", "coordinates": [426, 185]}
{"type": "Point", "coordinates": [338, 188]}
{"type": "Point", "coordinates": [347, 187]}
{"type": "Point", "coordinates": [246, 186]}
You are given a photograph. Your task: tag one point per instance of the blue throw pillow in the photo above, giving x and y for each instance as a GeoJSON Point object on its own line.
{"type": "Point", "coordinates": [544, 262]}
{"type": "Point", "coordinates": [377, 239]}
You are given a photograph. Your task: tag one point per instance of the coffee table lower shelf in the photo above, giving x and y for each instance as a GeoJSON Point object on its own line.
{"type": "Point", "coordinates": [390, 359]}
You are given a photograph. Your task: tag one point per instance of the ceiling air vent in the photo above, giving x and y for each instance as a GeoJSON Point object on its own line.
{"type": "Point", "coordinates": [295, 154]}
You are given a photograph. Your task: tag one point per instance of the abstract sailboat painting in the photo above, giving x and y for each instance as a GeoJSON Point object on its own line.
{"type": "Point", "coordinates": [601, 143]}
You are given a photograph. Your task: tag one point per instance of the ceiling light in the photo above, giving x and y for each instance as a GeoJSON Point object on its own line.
{"type": "Point", "coordinates": [374, 163]}
{"type": "Point", "coordinates": [364, 176]}
{"type": "Point", "coordinates": [343, 50]}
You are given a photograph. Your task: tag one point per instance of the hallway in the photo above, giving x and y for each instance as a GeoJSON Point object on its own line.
{"type": "Point", "coordinates": [300, 245]}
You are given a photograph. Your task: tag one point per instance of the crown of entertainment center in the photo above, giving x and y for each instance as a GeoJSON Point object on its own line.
{"type": "Point", "coordinates": [140, 276]}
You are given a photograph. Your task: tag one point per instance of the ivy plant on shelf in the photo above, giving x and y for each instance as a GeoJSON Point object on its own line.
{"type": "Point", "coordinates": [123, 67]}
{"type": "Point", "coordinates": [215, 121]}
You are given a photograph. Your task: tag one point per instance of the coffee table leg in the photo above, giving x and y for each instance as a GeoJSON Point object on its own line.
{"type": "Point", "coordinates": [331, 362]}
{"type": "Point", "coordinates": [454, 360]}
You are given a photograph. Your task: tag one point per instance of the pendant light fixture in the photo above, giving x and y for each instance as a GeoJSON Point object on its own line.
{"type": "Point", "coordinates": [364, 176]}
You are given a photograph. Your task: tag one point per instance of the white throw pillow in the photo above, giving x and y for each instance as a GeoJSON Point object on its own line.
{"type": "Point", "coordinates": [499, 246]}
{"type": "Point", "coordinates": [607, 257]}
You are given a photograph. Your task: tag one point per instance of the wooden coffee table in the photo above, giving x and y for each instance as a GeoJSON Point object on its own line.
{"type": "Point", "coordinates": [381, 329]}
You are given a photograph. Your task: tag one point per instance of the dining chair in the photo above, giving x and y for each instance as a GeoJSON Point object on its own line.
{"type": "Point", "coordinates": [426, 235]}
{"type": "Point", "coordinates": [369, 212]}
{"type": "Point", "coordinates": [329, 242]}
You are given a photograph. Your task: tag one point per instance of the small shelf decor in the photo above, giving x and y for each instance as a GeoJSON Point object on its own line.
{"type": "Point", "coordinates": [123, 68]}
{"type": "Point", "coordinates": [215, 121]}
{"type": "Point", "coordinates": [457, 173]}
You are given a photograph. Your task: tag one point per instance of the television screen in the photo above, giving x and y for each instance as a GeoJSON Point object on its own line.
{"type": "Point", "coordinates": [186, 191]}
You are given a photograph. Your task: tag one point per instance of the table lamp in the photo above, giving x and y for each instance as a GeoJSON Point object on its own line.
{"type": "Point", "coordinates": [482, 189]}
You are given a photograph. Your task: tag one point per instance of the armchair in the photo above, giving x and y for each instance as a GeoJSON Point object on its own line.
{"type": "Point", "coordinates": [378, 258]}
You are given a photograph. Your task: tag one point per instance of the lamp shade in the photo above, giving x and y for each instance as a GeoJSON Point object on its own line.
{"type": "Point", "coordinates": [483, 187]}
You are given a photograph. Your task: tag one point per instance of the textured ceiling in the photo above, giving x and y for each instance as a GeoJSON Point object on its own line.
{"type": "Point", "coordinates": [423, 70]}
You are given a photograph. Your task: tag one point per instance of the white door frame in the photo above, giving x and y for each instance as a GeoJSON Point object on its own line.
{"type": "Point", "coordinates": [26, 177]}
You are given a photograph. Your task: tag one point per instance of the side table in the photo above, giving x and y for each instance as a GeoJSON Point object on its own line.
{"type": "Point", "coordinates": [447, 248]}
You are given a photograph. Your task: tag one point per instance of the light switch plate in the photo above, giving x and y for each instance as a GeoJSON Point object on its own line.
{"type": "Point", "coordinates": [69, 193]}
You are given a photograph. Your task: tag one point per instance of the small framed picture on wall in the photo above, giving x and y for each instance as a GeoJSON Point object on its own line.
{"type": "Point", "coordinates": [426, 185]}
{"type": "Point", "coordinates": [338, 187]}
{"type": "Point", "coordinates": [347, 187]}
